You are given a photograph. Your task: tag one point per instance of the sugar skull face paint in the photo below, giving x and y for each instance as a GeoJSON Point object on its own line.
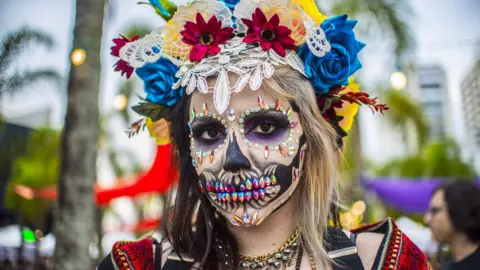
{"type": "Point", "coordinates": [249, 158]}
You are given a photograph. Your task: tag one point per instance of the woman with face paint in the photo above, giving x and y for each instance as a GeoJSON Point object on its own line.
{"type": "Point", "coordinates": [258, 97]}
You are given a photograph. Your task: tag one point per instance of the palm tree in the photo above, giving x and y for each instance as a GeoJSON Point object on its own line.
{"type": "Point", "coordinates": [404, 112]}
{"type": "Point", "coordinates": [391, 18]}
{"type": "Point", "coordinates": [74, 216]}
{"type": "Point", "coordinates": [12, 46]}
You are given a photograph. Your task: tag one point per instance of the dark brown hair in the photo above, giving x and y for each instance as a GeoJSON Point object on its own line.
{"type": "Point", "coordinates": [463, 204]}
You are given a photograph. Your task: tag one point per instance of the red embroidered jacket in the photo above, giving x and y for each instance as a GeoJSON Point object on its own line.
{"type": "Point", "coordinates": [396, 252]}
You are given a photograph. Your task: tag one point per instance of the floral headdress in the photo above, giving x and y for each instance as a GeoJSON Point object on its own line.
{"type": "Point", "coordinates": [249, 38]}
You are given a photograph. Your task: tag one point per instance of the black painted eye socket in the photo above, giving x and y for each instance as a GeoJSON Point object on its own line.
{"type": "Point", "coordinates": [266, 126]}
{"type": "Point", "coordinates": [208, 133]}
{"type": "Point", "coordinates": [212, 133]}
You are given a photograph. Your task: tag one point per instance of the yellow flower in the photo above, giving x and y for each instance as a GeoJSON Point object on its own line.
{"type": "Point", "coordinates": [348, 111]}
{"type": "Point", "coordinates": [159, 130]}
{"type": "Point", "coordinates": [311, 9]}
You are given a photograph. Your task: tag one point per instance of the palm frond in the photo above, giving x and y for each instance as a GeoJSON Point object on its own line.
{"type": "Point", "coordinates": [18, 80]}
{"type": "Point", "coordinates": [15, 41]}
{"type": "Point", "coordinates": [392, 17]}
{"type": "Point", "coordinates": [404, 110]}
{"type": "Point", "coordinates": [136, 30]}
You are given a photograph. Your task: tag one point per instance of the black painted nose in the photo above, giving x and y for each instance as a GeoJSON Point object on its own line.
{"type": "Point", "coordinates": [235, 160]}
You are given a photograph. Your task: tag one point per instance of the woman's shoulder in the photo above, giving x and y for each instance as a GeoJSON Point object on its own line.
{"type": "Point", "coordinates": [146, 253]}
{"type": "Point", "coordinates": [384, 246]}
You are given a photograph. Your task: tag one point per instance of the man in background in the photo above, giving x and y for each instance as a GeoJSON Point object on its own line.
{"type": "Point", "coordinates": [454, 219]}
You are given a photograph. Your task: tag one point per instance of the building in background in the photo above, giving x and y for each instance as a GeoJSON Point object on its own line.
{"type": "Point", "coordinates": [432, 95]}
{"type": "Point", "coordinates": [470, 88]}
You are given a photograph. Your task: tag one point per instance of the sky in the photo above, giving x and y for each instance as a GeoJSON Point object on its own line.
{"type": "Point", "coordinates": [445, 32]}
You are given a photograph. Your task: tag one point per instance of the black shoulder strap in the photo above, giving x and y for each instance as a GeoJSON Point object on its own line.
{"type": "Point", "coordinates": [106, 263]}
{"type": "Point", "coordinates": [342, 250]}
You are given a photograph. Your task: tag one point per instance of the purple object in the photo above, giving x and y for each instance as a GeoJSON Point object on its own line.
{"type": "Point", "coordinates": [406, 195]}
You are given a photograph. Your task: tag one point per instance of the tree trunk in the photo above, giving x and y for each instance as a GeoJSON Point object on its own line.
{"type": "Point", "coordinates": [74, 216]}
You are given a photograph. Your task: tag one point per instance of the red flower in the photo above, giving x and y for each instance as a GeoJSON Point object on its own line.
{"type": "Point", "coordinates": [204, 37]}
{"type": "Point", "coordinates": [270, 34]}
{"type": "Point", "coordinates": [121, 65]}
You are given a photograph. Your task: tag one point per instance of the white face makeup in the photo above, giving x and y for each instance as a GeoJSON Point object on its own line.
{"type": "Point", "coordinates": [248, 159]}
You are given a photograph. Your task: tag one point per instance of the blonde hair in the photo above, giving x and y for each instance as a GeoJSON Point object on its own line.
{"type": "Point", "coordinates": [318, 190]}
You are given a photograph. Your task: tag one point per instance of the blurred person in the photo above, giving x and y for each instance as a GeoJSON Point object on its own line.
{"type": "Point", "coordinates": [257, 140]}
{"type": "Point", "coordinates": [454, 219]}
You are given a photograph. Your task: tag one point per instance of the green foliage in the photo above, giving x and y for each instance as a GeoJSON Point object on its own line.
{"type": "Point", "coordinates": [404, 111]}
{"type": "Point", "coordinates": [392, 18]}
{"type": "Point", "coordinates": [38, 168]}
{"type": "Point", "coordinates": [438, 159]}
{"type": "Point", "coordinates": [11, 47]}
{"type": "Point", "coordinates": [163, 8]}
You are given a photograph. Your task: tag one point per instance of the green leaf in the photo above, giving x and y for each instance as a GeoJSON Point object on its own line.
{"type": "Point", "coordinates": [14, 42]}
{"type": "Point", "coordinates": [152, 110]}
{"type": "Point", "coordinates": [17, 81]}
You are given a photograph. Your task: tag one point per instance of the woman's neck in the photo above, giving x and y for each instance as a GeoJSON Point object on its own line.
{"type": "Point", "coordinates": [462, 247]}
{"type": "Point", "coordinates": [269, 235]}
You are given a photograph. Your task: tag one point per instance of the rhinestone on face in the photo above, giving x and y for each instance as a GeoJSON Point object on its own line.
{"type": "Point", "coordinates": [269, 190]}
{"type": "Point", "coordinates": [192, 114]}
{"type": "Point", "coordinates": [247, 218]}
{"type": "Point", "coordinates": [231, 115]}
{"type": "Point", "coordinates": [248, 196]}
{"type": "Point", "coordinates": [241, 196]}
{"type": "Point", "coordinates": [261, 193]}
{"type": "Point", "coordinates": [274, 180]}
{"type": "Point", "coordinates": [240, 120]}
{"type": "Point", "coordinates": [277, 104]}
{"type": "Point", "coordinates": [255, 183]}
{"type": "Point", "coordinates": [266, 152]}
{"type": "Point", "coordinates": [268, 181]}
{"type": "Point", "coordinates": [260, 101]}
{"type": "Point", "coordinates": [248, 184]}
{"type": "Point", "coordinates": [205, 109]}
{"type": "Point", "coordinates": [247, 112]}
{"type": "Point", "coordinates": [256, 195]}
{"type": "Point", "coordinates": [291, 150]}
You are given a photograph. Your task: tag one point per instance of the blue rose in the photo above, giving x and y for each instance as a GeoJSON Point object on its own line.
{"type": "Point", "coordinates": [230, 3]}
{"type": "Point", "coordinates": [158, 79]}
{"type": "Point", "coordinates": [341, 62]}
